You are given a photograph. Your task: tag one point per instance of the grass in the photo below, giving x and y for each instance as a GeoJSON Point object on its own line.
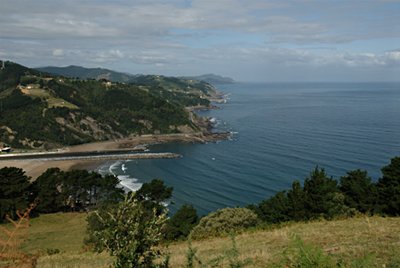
{"type": "Point", "coordinates": [36, 91]}
{"type": "Point", "coordinates": [343, 240]}
{"type": "Point", "coordinates": [62, 231]}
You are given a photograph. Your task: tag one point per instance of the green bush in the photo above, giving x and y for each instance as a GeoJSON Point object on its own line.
{"type": "Point", "coordinates": [131, 235]}
{"type": "Point", "coordinates": [223, 222]}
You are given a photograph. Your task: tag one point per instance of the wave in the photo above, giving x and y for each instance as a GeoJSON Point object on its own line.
{"type": "Point", "coordinates": [132, 184]}
{"type": "Point", "coordinates": [125, 181]}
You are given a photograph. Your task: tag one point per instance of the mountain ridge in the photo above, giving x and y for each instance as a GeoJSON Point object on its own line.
{"type": "Point", "coordinates": [41, 111]}
{"type": "Point", "coordinates": [115, 76]}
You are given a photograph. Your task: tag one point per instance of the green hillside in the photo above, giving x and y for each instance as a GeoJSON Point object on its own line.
{"type": "Point", "coordinates": [42, 111]}
{"type": "Point", "coordinates": [73, 71]}
{"type": "Point", "coordinates": [374, 239]}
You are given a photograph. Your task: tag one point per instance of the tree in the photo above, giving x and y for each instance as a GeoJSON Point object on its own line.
{"type": "Point", "coordinates": [183, 221]}
{"type": "Point", "coordinates": [15, 191]}
{"type": "Point", "coordinates": [275, 209]}
{"type": "Point", "coordinates": [320, 193]}
{"type": "Point", "coordinates": [389, 188]}
{"type": "Point", "coordinates": [154, 191]}
{"type": "Point", "coordinates": [106, 190]}
{"type": "Point", "coordinates": [48, 192]}
{"type": "Point", "coordinates": [152, 194]}
{"type": "Point", "coordinates": [84, 189]}
{"type": "Point", "coordinates": [296, 202]}
{"type": "Point", "coordinates": [130, 235]}
{"type": "Point", "coordinates": [360, 193]}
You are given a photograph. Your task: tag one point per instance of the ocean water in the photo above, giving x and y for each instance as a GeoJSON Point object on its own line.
{"type": "Point", "coordinates": [281, 132]}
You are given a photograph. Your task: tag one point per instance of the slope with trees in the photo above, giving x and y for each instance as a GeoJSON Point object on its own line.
{"type": "Point", "coordinates": [45, 111]}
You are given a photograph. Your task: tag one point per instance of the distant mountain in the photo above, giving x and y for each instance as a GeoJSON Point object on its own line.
{"type": "Point", "coordinates": [73, 71]}
{"type": "Point", "coordinates": [212, 79]}
{"type": "Point", "coordinates": [40, 110]}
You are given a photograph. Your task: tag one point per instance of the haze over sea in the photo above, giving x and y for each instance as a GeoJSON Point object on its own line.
{"type": "Point", "coordinates": [281, 132]}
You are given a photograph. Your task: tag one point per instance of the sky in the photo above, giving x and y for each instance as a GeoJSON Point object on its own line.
{"type": "Point", "coordinates": [248, 40]}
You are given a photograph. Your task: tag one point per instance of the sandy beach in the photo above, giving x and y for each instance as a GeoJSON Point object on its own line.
{"type": "Point", "coordinates": [35, 168]}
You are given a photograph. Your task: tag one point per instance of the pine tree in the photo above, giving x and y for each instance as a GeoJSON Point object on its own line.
{"type": "Point", "coordinates": [320, 193]}
{"type": "Point", "coordinates": [15, 191]}
{"type": "Point", "coordinates": [183, 221]}
{"type": "Point", "coordinates": [389, 188]}
{"type": "Point", "coordinates": [360, 193]}
{"type": "Point", "coordinates": [296, 199]}
{"type": "Point", "coordinates": [48, 189]}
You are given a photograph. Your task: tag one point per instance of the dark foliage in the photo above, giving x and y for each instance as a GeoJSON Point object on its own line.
{"type": "Point", "coordinates": [48, 191]}
{"type": "Point", "coordinates": [15, 191]}
{"type": "Point", "coordinates": [320, 192]}
{"type": "Point", "coordinates": [360, 193]}
{"type": "Point", "coordinates": [152, 194]}
{"type": "Point", "coordinates": [296, 202]}
{"type": "Point", "coordinates": [152, 105]}
{"type": "Point", "coordinates": [323, 197]}
{"type": "Point", "coordinates": [181, 223]}
{"type": "Point", "coordinates": [389, 188]}
{"type": "Point", "coordinates": [274, 209]}
{"type": "Point", "coordinates": [56, 190]}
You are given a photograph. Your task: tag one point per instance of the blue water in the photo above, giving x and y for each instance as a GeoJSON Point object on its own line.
{"type": "Point", "coordinates": [283, 130]}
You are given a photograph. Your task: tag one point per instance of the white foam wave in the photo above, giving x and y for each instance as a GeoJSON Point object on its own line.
{"type": "Point", "coordinates": [124, 168]}
{"type": "Point", "coordinates": [125, 181]}
{"type": "Point", "coordinates": [113, 167]}
{"type": "Point", "coordinates": [129, 183]}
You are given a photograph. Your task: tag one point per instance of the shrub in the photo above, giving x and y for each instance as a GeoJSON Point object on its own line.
{"type": "Point", "coordinates": [223, 222]}
{"type": "Point", "coordinates": [181, 224]}
{"type": "Point", "coordinates": [130, 234]}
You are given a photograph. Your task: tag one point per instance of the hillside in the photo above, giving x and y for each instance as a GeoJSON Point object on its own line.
{"type": "Point", "coordinates": [213, 79]}
{"type": "Point", "coordinates": [344, 240]}
{"type": "Point", "coordinates": [73, 71]}
{"type": "Point", "coordinates": [42, 111]}
{"type": "Point", "coordinates": [80, 72]}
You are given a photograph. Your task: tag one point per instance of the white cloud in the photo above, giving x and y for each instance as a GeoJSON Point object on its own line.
{"type": "Point", "coordinates": [180, 35]}
{"type": "Point", "coordinates": [58, 52]}
{"type": "Point", "coordinates": [394, 55]}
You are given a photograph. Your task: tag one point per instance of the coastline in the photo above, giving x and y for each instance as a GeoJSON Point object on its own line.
{"type": "Point", "coordinates": [34, 168]}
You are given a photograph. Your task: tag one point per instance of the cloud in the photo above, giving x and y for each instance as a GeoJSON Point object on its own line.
{"type": "Point", "coordinates": [58, 52]}
{"type": "Point", "coordinates": [181, 36]}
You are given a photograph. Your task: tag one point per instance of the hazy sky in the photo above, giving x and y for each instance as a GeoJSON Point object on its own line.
{"type": "Point", "coordinates": [249, 40]}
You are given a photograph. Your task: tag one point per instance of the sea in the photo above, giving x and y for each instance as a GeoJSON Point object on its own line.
{"type": "Point", "coordinates": [280, 133]}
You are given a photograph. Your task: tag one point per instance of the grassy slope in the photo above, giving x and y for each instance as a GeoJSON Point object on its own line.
{"type": "Point", "coordinates": [343, 239]}
{"type": "Point", "coordinates": [65, 232]}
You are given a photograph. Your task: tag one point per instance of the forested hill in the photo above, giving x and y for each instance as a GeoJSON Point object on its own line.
{"type": "Point", "coordinates": [39, 110]}
{"type": "Point", "coordinates": [72, 71]}
{"type": "Point", "coordinates": [213, 79]}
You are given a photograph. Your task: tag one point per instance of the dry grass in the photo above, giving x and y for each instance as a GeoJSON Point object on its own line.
{"type": "Point", "coordinates": [342, 239]}
{"type": "Point", "coordinates": [75, 260]}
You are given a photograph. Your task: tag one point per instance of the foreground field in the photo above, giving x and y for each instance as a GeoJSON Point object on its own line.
{"type": "Point", "coordinates": [344, 240]}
